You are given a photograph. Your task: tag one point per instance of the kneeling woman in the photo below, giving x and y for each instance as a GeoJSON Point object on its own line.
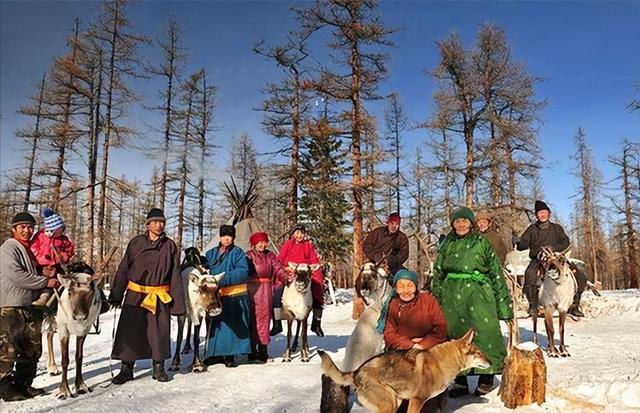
{"type": "Point", "coordinates": [230, 330]}
{"type": "Point", "coordinates": [411, 318]}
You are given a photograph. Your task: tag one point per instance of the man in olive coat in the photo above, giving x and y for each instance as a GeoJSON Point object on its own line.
{"type": "Point", "coordinates": [150, 274]}
{"type": "Point", "coordinates": [389, 242]}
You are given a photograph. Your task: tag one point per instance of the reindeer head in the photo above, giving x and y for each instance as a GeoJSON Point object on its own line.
{"type": "Point", "coordinates": [554, 264]}
{"type": "Point", "coordinates": [302, 275]}
{"type": "Point", "coordinates": [208, 291]}
{"type": "Point", "coordinates": [82, 291]}
{"type": "Point", "coordinates": [371, 280]}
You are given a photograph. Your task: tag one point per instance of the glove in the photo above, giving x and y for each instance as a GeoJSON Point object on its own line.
{"type": "Point", "coordinates": [115, 302]}
{"type": "Point", "coordinates": [53, 283]}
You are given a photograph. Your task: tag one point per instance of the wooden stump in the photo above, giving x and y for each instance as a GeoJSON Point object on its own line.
{"type": "Point", "coordinates": [524, 378]}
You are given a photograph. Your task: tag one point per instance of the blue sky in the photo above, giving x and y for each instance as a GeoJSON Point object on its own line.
{"type": "Point", "coordinates": [587, 53]}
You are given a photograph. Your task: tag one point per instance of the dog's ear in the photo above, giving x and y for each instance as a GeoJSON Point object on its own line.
{"type": "Point", "coordinates": [468, 336]}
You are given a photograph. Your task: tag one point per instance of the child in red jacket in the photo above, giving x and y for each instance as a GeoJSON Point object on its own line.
{"type": "Point", "coordinates": [52, 250]}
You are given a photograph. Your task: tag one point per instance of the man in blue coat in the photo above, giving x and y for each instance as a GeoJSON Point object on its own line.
{"type": "Point", "coordinates": [230, 334]}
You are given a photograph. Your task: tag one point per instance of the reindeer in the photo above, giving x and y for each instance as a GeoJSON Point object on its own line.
{"type": "Point", "coordinates": [556, 293]}
{"type": "Point", "coordinates": [78, 308]}
{"type": "Point", "coordinates": [202, 297]}
{"type": "Point", "coordinates": [296, 305]}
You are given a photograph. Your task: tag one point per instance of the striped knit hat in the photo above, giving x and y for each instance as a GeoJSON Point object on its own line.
{"type": "Point", "coordinates": [52, 221]}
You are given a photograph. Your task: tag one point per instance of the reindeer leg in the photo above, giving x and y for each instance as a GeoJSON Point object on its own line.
{"type": "Point", "coordinates": [286, 357]}
{"type": "Point", "coordinates": [294, 346]}
{"type": "Point", "coordinates": [552, 351]}
{"type": "Point", "coordinates": [81, 386]}
{"type": "Point", "coordinates": [63, 391]}
{"type": "Point", "coordinates": [563, 350]}
{"type": "Point", "coordinates": [175, 364]}
{"type": "Point", "coordinates": [51, 363]}
{"type": "Point", "coordinates": [187, 344]}
{"type": "Point", "coordinates": [197, 365]}
{"type": "Point", "coordinates": [304, 351]}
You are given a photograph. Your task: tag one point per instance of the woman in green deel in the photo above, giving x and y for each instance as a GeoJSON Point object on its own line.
{"type": "Point", "coordinates": [469, 285]}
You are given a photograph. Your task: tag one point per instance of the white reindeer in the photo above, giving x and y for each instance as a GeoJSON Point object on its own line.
{"type": "Point", "coordinates": [557, 291]}
{"type": "Point", "coordinates": [202, 298]}
{"type": "Point", "coordinates": [78, 309]}
{"type": "Point", "coordinates": [296, 305]}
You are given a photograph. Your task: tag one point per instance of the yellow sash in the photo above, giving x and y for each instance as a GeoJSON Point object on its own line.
{"type": "Point", "coordinates": [231, 290]}
{"type": "Point", "coordinates": [153, 292]}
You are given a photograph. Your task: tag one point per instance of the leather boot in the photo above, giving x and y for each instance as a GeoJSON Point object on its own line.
{"type": "Point", "coordinates": [29, 391]}
{"type": "Point", "coordinates": [229, 361]}
{"type": "Point", "coordinates": [158, 371]}
{"type": "Point", "coordinates": [315, 324]}
{"type": "Point", "coordinates": [277, 323]}
{"type": "Point", "coordinates": [9, 392]}
{"type": "Point", "coordinates": [126, 373]}
{"type": "Point", "coordinates": [263, 354]}
{"type": "Point", "coordinates": [253, 356]}
{"type": "Point", "coordinates": [485, 384]}
{"type": "Point", "coordinates": [460, 387]}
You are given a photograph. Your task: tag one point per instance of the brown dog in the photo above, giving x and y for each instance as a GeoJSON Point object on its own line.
{"type": "Point", "coordinates": [385, 380]}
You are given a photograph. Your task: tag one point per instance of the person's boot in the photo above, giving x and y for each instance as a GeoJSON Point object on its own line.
{"type": "Point", "coordinates": [43, 299]}
{"type": "Point", "coordinates": [9, 392]}
{"type": "Point", "coordinates": [485, 384]}
{"type": "Point", "coordinates": [263, 354]}
{"type": "Point", "coordinates": [460, 387]}
{"type": "Point", "coordinates": [230, 362]}
{"type": "Point", "coordinates": [575, 310]}
{"type": "Point", "coordinates": [277, 323]}
{"type": "Point", "coordinates": [29, 390]}
{"type": "Point", "coordinates": [315, 324]}
{"type": "Point", "coordinates": [158, 371]}
{"type": "Point", "coordinates": [253, 356]}
{"type": "Point", "coordinates": [210, 361]}
{"type": "Point", "coordinates": [126, 373]}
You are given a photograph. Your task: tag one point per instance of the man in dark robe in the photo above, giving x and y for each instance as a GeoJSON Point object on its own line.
{"type": "Point", "coordinates": [150, 274]}
{"type": "Point", "coordinates": [389, 242]}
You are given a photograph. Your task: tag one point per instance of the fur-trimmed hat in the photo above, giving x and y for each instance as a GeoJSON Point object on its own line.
{"type": "Point", "coordinates": [229, 230]}
{"type": "Point", "coordinates": [297, 226]}
{"type": "Point", "coordinates": [22, 218]}
{"type": "Point", "coordinates": [155, 214]}
{"type": "Point", "coordinates": [541, 206]}
{"type": "Point", "coordinates": [484, 215]}
{"type": "Point", "coordinates": [52, 221]}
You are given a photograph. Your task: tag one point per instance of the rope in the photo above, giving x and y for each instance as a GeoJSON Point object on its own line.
{"type": "Point", "coordinates": [206, 345]}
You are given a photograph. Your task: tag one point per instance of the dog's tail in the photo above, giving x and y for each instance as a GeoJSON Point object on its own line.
{"type": "Point", "coordinates": [329, 367]}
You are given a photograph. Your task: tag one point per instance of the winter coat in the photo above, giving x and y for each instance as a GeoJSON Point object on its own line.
{"type": "Point", "coordinates": [230, 330]}
{"type": "Point", "coordinates": [304, 253]}
{"type": "Point", "coordinates": [380, 241]}
{"type": "Point", "coordinates": [469, 285]}
{"type": "Point", "coordinates": [496, 241]}
{"type": "Point", "coordinates": [540, 235]}
{"type": "Point", "coordinates": [265, 273]}
{"type": "Point", "coordinates": [142, 334]}
{"type": "Point", "coordinates": [41, 247]}
{"type": "Point", "coordinates": [421, 317]}
{"type": "Point", "coordinates": [20, 284]}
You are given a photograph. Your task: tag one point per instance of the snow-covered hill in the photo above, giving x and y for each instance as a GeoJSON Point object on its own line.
{"type": "Point", "coordinates": [602, 375]}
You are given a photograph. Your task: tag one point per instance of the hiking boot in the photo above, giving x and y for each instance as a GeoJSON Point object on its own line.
{"type": "Point", "coordinates": [158, 371]}
{"type": "Point", "coordinates": [253, 356]}
{"type": "Point", "coordinates": [9, 392]}
{"type": "Point", "coordinates": [460, 387]}
{"type": "Point", "coordinates": [230, 362]}
{"type": "Point", "coordinates": [263, 354]}
{"type": "Point", "coordinates": [276, 328]}
{"type": "Point", "coordinates": [485, 385]}
{"type": "Point", "coordinates": [315, 324]}
{"type": "Point", "coordinates": [43, 299]}
{"type": "Point", "coordinates": [575, 310]}
{"type": "Point", "coordinates": [29, 391]}
{"type": "Point", "coordinates": [126, 373]}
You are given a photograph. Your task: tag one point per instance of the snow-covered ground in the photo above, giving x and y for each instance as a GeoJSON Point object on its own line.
{"type": "Point", "coordinates": [602, 374]}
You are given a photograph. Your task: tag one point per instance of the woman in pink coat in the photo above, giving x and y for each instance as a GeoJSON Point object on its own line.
{"type": "Point", "coordinates": [265, 273]}
{"type": "Point", "coordinates": [299, 249]}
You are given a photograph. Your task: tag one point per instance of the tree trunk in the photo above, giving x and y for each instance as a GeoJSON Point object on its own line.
{"type": "Point", "coordinates": [34, 147]}
{"type": "Point", "coordinates": [524, 378]}
{"type": "Point", "coordinates": [630, 232]}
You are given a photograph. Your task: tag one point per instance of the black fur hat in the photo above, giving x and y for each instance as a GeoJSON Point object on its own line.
{"type": "Point", "coordinates": [540, 206]}
{"type": "Point", "coordinates": [229, 230]}
{"type": "Point", "coordinates": [155, 214]}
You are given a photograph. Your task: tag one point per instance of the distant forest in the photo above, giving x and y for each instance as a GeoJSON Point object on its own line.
{"type": "Point", "coordinates": [336, 166]}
